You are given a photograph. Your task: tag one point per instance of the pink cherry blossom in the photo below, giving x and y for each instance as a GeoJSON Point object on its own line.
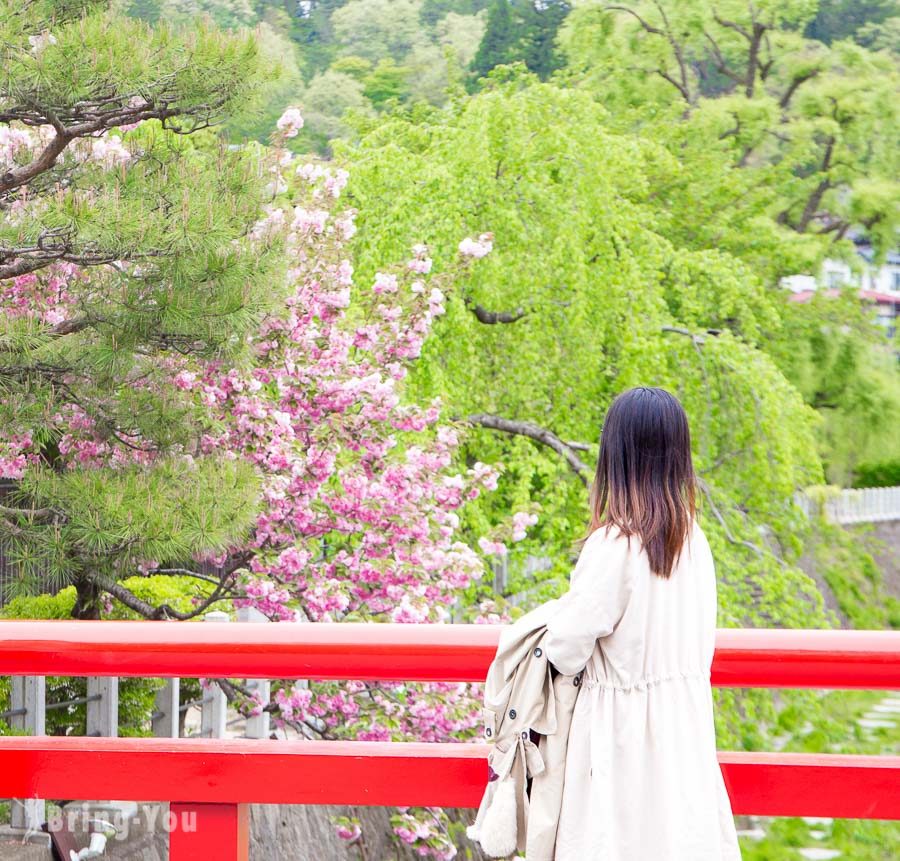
{"type": "Point", "coordinates": [477, 248]}
{"type": "Point", "coordinates": [290, 122]}
{"type": "Point", "coordinates": [492, 548]}
{"type": "Point", "coordinates": [521, 520]}
{"type": "Point", "coordinates": [348, 832]}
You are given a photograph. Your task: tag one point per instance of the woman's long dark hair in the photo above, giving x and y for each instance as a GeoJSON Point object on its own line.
{"type": "Point", "coordinates": [645, 482]}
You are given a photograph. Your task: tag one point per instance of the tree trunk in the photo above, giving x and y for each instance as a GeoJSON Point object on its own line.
{"type": "Point", "coordinates": [87, 599]}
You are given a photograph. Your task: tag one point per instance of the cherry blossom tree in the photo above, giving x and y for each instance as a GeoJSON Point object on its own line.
{"type": "Point", "coordinates": [357, 492]}
{"type": "Point", "coordinates": [195, 389]}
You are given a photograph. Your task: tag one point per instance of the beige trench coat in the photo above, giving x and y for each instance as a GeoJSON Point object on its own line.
{"type": "Point", "coordinates": [521, 694]}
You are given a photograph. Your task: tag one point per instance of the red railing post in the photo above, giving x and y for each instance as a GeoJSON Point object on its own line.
{"type": "Point", "coordinates": [200, 831]}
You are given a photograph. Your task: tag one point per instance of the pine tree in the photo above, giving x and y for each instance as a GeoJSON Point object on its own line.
{"type": "Point", "coordinates": [522, 30]}
{"type": "Point", "coordinates": [125, 249]}
{"type": "Point", "coordinates": [544, 20]}
{"type": "Point", "coordinates": [499, 39]}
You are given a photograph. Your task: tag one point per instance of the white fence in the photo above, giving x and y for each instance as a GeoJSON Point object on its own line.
{"type": "Point", "coordinates": [863, 505]}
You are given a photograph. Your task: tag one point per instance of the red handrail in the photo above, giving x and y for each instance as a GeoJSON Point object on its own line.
{"type": "Point", "coordinates": [237, 771]}
{"type": "Point", "coordinates": [213, 780]}
{"type": "Point", "coordinates": [751, 657]}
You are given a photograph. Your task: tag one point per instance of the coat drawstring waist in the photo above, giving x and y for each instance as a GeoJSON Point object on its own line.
{"type": "Point", "coordinates": [643, 684]}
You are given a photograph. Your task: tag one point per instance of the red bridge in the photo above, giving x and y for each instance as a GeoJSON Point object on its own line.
{"type": "Point", "coordinates": [215, 779]}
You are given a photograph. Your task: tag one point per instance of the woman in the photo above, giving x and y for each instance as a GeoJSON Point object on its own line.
{"type": "Point", "coordinates": [642, 782]}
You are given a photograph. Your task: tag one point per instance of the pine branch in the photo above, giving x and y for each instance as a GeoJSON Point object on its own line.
{"type": "Point", "coordinates": [126, 596]}
{"type": "Point", "coordinates": [21, 175]}
{"type": "Point", "coordinates": [163, 611]}
{"type": "Point", "coordinates": [35, 515]}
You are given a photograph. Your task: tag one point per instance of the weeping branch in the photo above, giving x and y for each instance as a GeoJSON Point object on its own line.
{"type": "Point", "coordinates": [579, 446]}
{"type": "Point", "coordinates": [815, 198]}
{"type": "Point", "coordinates": [698, 340]}
{"type": "Point", "coordinates": [538, 434]}
{"type": "Point", "coordinates": [491, 318]}
{"type": "Point", "coordinates": [719, 60]}
{"type": "Point", "coordinates": [703, 487]}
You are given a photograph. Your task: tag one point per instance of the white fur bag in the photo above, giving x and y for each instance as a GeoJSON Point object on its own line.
{"type": "Point", "coordinates": [496, 831]}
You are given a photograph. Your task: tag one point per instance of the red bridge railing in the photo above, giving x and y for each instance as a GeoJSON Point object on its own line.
{"type": "Point", "coordinates": [215, 779]}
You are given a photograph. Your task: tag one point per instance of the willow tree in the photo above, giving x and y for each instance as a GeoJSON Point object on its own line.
{"type": "Point", "coordinates": [123, 249]}
{"type": "Point", "coordinates": [582, 296]}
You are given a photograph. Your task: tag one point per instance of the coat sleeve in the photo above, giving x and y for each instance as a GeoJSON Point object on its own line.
{"type": "Point", "coordinates": [599, 591]}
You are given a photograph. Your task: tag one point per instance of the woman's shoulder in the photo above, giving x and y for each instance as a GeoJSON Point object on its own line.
{"type": "Point", "coordinates": [607, 549]}
{"type": "Point", "coordinates": [606, 533]}
{"type": "Point", "coordinates": [609, 539]}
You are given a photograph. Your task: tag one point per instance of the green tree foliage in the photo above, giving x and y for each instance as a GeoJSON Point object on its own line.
{"type": "Point", "coordinates": [326, 101]}
{"type": "Point", "coordinates": [376, 29]}
{"type": "Point", "coordinates": [839, 359]}
{"type": "Point", "coordinates": [785, 147]}
{"type": "Point", "coordinates": [254, 117]}
{"type": "Point", "coordinates": [157, 264]}
{"type": "Point", "coordinates": [312, 32]}
{"type": "Point", "coordinates": [462, 34]}
{"type": "Point", "coordinates": [881, 474]}
{"type": "Point", "coordinates": [583, 296]}
{"type": "Point", "coordinates": [385, 53]}
{"type": "Point", "coordinates": [435, 10]}
{"type": "Point", "coordinates": [499, 41]}
{"type": "Point", "coordinates": [395, 34]}
{"type": "Point", "coordinates": [842, 558]}
{"type": "Point", "coordinates": [881, 37]}
{"type": "Point", "coordinates": [592, 287]}
{"type": "Point", "coordinates": [385, 82]}
{"type": "Point", "coordinates": [848, 19]}
{"type": "Point", "coordinates": [798, 136]}
{"type": "Point", "coordinates": [225, 13]}
{"type": "Point", "coordinates": [415, 50]}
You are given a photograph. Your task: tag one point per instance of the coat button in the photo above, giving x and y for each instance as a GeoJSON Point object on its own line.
{"type": "Point", "coordinates": [538, 652]}
{"type": "Point", "coordinates": [576, 681]}
{"type": "Point", "coordinates": [512, 714]}
{"type": "Point", "coordinates": [487, 731]}
{"type": "Point", "coordinates": [524, 733]}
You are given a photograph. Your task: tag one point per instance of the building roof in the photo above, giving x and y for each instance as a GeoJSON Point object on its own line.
{"type": "Point", "coordinates": [870, 295]}
{"type": "Point", "coordinates": [881, 298]}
